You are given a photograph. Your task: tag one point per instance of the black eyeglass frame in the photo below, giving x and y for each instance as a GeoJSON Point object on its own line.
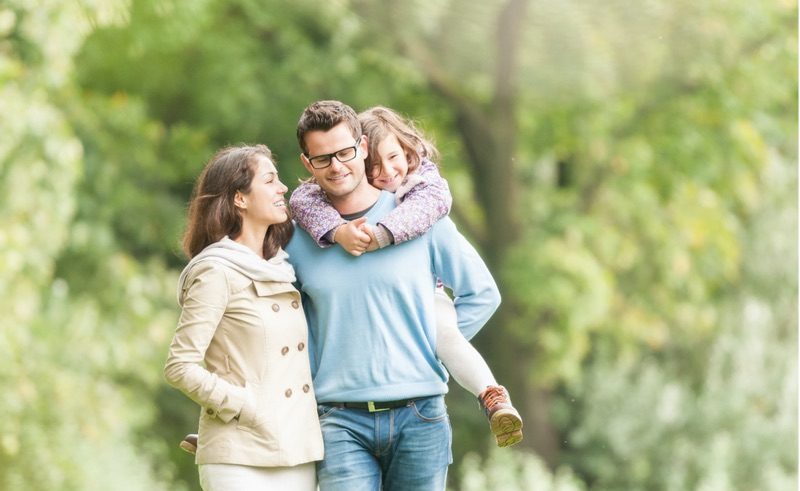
{"type": "Point", "coordinates": [330, 156]}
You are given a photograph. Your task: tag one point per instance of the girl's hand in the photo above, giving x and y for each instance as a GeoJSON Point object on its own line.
{"type": "Point", "coordinates": [373, 241]}
{"type": "Point", "coordinates": [352, 237]}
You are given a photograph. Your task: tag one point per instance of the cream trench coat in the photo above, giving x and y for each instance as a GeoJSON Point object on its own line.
{"type": "Point", "coordinates": [258, 405]}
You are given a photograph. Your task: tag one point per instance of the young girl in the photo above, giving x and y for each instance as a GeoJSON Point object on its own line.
{"type": "Point", "coordinates": [400, 161]}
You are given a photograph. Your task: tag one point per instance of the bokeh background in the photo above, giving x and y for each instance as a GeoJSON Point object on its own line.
{"type": "Point", "coordinates": [628, 169]}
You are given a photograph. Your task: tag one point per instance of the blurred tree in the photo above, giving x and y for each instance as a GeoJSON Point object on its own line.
{"type": "Point", "coordinates": [67, 424]}
{"type": "Point", "coordinates": [517, 471]}
{"type": "Point", "coordinates": [613, 153]}
{"type": "Point", "coordinates": [728, 421]}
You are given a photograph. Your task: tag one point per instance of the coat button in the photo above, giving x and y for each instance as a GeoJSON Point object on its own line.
{"type": "Point", "coordinates": [301, 346]}
{"type": "Point", "coordinates": [275, 307]}
{"type": "Point", "coordinates": [284, 350]}
{"type": "Point", "coordinates": [288, 392]}
{"type": "Point", "coordinates": [306, 388]}
{"type": "Point", "coordinates": [295, 304]}
{"type": "Point", "coordinates": [210, 412]}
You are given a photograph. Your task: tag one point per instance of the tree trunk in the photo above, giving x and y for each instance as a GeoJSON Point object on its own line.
{"type": "Point", "coordinates": [497, 191]}
{"type": "Point", "coordinates": [488, 132]}
{"type": "Point", "coordinates": [511, 362]}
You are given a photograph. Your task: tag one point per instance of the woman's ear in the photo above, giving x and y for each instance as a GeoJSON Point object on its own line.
{"type": "Point", "coordinates": [239, 201]}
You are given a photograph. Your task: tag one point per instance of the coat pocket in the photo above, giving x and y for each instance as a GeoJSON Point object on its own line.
{"type": "Point", "coordinates": [247, 416]}
{"type": "Point", "coordinates": [254, 416]}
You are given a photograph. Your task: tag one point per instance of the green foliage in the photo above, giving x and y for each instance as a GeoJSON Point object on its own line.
{"type": "Point", "coordinates": [731, 424]}
{"type": "Point", "coordinates": [70, 411]}
{"type": "Point", "coordinates": [648, 182]}
{"type": "Point", "coordinates": [512, 470]}
{"type": "Point", "coordinates": [735, 432]}
{"type": "Point", "coordinates": [226, 71]}
{"type": "Point", "coordinates": [69, 419]}
{"type": "Point", "coordinates": [128, 153]}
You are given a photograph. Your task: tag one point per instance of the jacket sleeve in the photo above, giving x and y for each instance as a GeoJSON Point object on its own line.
{"type": "Point", "coordinates": [312, 210]}
{"type": "Point", "coordinates": [457, 264]}
{"type": "Point", "coordinates": [204, 302]}
{"type": "Point", "coordinates": [425, 199]}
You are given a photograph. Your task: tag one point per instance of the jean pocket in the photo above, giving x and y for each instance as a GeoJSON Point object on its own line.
{"type": "Point", "coordinates": [430, 410]}
{"type": "Point", "coordinates": [323, 411]}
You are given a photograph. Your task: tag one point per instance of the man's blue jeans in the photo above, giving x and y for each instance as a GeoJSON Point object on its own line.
{"type": "Point", "coordinates": [396, 450]}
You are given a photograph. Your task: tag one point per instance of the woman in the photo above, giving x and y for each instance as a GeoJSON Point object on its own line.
{"type": "Point", "coordinates": [239, 350]}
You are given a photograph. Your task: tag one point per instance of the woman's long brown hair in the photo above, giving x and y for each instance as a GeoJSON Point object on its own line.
{"type": "Point", "coordinates": [212, 213]}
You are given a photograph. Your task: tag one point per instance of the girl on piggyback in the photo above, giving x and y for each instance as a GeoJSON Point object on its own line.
{"type": "Point", "coordinates": [401, 160]}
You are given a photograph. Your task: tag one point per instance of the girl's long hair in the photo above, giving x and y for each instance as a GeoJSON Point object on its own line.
{"type": "Point", "coordinates": [379, 122]}
{"type": "Point", "coordinates": [212, 213]}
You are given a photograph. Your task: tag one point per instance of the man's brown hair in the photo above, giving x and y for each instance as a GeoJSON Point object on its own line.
{"type": "Point", "coordinates": [324, 115]}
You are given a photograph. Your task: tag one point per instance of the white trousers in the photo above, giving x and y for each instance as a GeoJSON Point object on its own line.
{"type": "Point", "coordinates": [232, 477]}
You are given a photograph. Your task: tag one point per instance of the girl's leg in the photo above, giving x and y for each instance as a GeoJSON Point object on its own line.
{"type": "Point", "coordinates": [462, 360]}
{"type": "Point", "coordinates": [470, 370]}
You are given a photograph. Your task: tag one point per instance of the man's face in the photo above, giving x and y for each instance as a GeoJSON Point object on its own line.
{"type": "Point", "coordinates": [339, 179]}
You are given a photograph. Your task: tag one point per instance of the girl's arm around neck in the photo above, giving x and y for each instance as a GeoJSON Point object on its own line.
{"type": "Point", "coordinates": [314, 213]}
{"type": "Point", "coordinates": [425, 199]}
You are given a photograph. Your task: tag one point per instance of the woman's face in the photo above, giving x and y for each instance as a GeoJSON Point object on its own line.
{"type": "Point", "coordinates": [391, 165]}
{"type": "Point", "coordinates": [265, 203]}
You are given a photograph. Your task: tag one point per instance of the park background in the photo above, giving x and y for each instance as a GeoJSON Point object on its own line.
{"type": "Point", "coordinates": [628, 170]}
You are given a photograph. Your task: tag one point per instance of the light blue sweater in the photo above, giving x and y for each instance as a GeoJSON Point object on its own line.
{"type": "Point", "coordinates": [372, 331]}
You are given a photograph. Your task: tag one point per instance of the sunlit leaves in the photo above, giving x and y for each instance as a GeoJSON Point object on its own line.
{"type": "Point", "coordinates": [514, 471]}
{"type": "Point", "coordinates": [562, 292]}
{"type": "Point", "coordinates": [66, 424]}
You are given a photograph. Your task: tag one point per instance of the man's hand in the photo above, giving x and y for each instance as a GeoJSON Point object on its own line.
{"type": "Point", "coordinates": [373, 241]}
{"type": "Point", "coordinates": [353, 238]}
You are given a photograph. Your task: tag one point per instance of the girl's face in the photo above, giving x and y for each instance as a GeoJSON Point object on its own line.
{"type": "Point", "coordinates": [391, 165]}
{"type": "Point", "coordinates": [265, 203]}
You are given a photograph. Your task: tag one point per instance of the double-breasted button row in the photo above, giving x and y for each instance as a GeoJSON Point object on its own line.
{"type": "Point", "coordinates": [289, 392]}
{"type": "Point", "coordinates": [295, 305]}
{"type": "Point", "coordinates": [300, 347]}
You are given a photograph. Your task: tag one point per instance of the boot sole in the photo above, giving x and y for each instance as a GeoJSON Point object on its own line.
{"type": "Point", "coordinates": [188, 447]}
{"type": "Point", "coordinates": [506, 426]}
{"type": "Point", "coordinates": [508, 439]}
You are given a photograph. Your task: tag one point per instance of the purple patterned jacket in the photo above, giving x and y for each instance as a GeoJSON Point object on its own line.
{"type": "Point", "coordinates": [423, 198]}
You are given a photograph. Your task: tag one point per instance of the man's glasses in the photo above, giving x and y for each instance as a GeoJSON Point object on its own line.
{"type": "Point", "coordinates": [343, 155]}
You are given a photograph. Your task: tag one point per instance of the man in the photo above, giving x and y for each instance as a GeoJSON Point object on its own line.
{"type": "Point", "coordinates": [379, 387]}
